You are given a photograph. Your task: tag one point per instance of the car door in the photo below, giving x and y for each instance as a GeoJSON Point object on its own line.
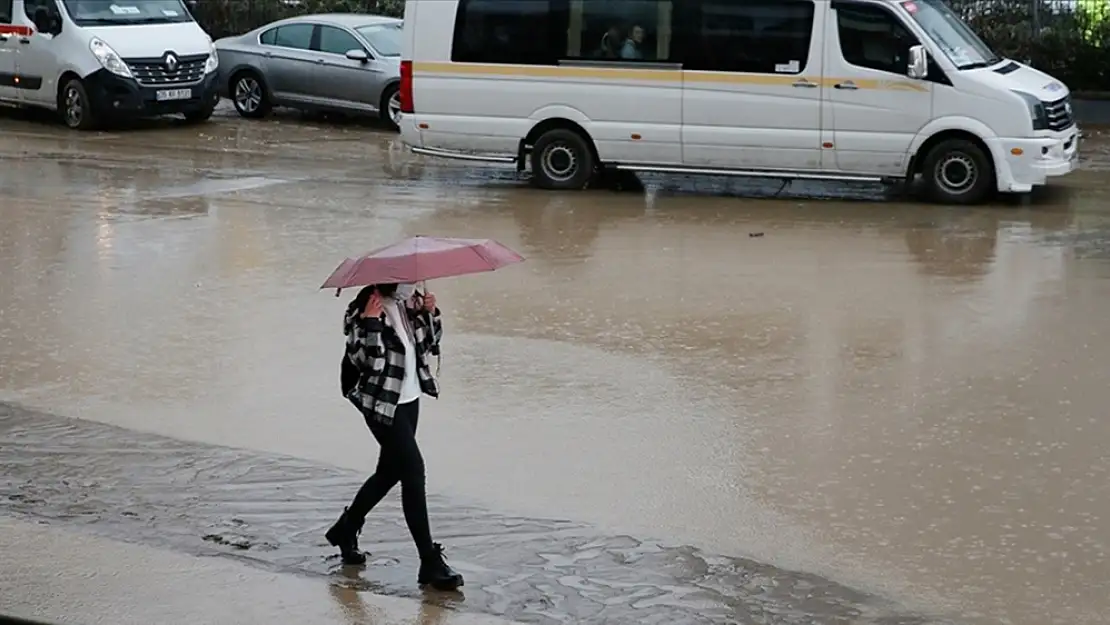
{"type": "Point", "coordinates": [9, 50]}
{"type": "Point", "coordinates": [752, 86]}
{"type": "Point", "coordinates": [344, 82]}
{"type": "Point", "coordinates": [290, 63]}
{"type": "Point", "coordinates": [876, 109]}
{"type": "Point", "coordinates": [37, 61]}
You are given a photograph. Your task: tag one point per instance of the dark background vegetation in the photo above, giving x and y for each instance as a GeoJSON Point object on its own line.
{"type": "Point", "coordinates": [1065, 38]}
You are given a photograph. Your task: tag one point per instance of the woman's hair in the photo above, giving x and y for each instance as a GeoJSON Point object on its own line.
{"type": "Point", "coordinates": [360, 300]}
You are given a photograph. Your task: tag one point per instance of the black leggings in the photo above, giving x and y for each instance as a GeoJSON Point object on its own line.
{"type": "Point", "coordinates": [399, 461]}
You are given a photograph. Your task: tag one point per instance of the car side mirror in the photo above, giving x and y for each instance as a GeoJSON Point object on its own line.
{"type": "Point", "coordinates": [919, 63]}
{"type": "Point", "coordinates": [358, 55]}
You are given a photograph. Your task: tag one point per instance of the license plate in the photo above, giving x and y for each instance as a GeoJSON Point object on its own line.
{"type": "Point", "coordinates": [165, 95]}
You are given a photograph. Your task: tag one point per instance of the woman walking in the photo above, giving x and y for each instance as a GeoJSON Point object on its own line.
{"type": "Point", "coordinates": [391, 333]}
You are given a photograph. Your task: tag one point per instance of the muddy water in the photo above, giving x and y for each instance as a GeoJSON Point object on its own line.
{"type": "Point", "coordinates": [899, 398]}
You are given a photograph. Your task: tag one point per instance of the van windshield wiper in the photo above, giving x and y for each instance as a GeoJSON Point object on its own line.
{"type": "Point", "coordinates": [978, 64]}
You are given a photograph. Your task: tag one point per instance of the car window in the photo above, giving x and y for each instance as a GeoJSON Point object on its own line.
{"type": "Point", "coordinates": [620, 30]}
{"type": "Point", "coordinates": [495, 31]}
{"type": "Point", "coordinates": [5, 11]}
{"type": "Point", "coordinates": [760, 36]}
{"type": "Point", "coordinates": [871, 37]}
{"type": "Point", "coordinates": [386, 38]}
{"type": "Point", "coordinates": [337, 41]}
{"type": "Point", "coordinates": [298, 36]}
{"type": "Point", "coordinates": [268, 37]}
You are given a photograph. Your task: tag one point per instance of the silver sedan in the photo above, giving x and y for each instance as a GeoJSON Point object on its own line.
{"type": "Point", "coordinates": [332, 62]}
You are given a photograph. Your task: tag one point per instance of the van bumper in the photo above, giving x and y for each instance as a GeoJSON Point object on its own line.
{"type": "Point", "coordinates": [116, 96]}
{"type": "Point", "coordinates": [1030, 162]}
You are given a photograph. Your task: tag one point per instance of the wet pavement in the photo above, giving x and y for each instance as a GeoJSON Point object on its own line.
{"type": "Point", "coordinates": [709, 401]}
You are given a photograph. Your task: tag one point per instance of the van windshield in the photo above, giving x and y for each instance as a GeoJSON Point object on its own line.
{"type": "Point", "coordinates": [958, 42]}
{"type": "Point", "coordinates": [126, 12]}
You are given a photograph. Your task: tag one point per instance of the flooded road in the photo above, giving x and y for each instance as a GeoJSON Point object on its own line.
{"type": "Point", "coordinates": [715, 382]}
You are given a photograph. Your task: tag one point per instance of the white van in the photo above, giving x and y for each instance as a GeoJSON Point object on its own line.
{"type": "Point", "coordinates": [865, 90]}
{"type": "Point", "coordinates": [91, 60]}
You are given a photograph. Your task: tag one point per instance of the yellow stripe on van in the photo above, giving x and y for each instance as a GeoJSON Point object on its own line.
{"type": "Point", "coordinates": [649, 75]}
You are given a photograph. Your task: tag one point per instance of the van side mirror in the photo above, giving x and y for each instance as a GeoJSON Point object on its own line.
{"type": "Point", "coordinates": [358, 55]}
{"type": "Point", "coordinates": [919, 63]}
{"type": "Point", "coordinates": [47, 22]}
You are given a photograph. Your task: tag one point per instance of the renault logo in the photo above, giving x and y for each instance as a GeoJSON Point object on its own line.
{"type": "Point", "coordinates": [171, 62]}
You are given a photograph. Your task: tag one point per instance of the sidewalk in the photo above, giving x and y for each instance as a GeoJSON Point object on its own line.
{"type": "Point", "coordinates": [62, 576]}
{"type": "Point", "coordinates": [1091, 112]}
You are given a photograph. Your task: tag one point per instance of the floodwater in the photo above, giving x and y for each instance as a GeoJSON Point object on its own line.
{"type": "Point", "coordinates": [708, 401]}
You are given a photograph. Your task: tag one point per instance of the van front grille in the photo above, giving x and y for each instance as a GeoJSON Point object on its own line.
{"type": "Point", "coordinates": [1059, 114]}
{"type": "Point", "coordinates": [154, 72]}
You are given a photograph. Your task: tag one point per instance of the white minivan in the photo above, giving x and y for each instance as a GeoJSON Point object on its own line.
{"type": "Point", "coordinates": [92, 60]}
{"type": "Point", "coordinates": [864, 90]}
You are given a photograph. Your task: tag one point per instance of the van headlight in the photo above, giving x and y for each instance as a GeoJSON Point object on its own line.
{"type": "Point", "coordinates": [1036, 110]}
{"type": "Point", "coordinates": [213, 62]}
{"type": "Point", "coordinates": [108, 58]}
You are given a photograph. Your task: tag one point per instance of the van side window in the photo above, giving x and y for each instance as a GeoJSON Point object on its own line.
{"type": "Point", "coordinates": [871, 37]}
{"type": "Point", "coordinates": [30, 7]}
{"type": "Point", "coordinates": [6, 11]}
{"type": "Point", "coordinates": [620, 30]}
{"type": "Point", "coordinates": [496, 31]}
{"type": "Point", "coordinates": [759, 37]}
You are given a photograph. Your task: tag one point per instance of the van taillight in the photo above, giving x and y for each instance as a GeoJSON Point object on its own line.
{"type": "Point", "coordinates": [406, 87]}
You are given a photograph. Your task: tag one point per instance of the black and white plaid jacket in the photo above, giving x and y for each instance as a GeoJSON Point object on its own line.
{"type": "Point", "coordinates": [374, 363]}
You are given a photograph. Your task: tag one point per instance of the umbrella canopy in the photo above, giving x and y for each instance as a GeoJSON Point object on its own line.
{"type": "Point", "coordinates": [421, 258]}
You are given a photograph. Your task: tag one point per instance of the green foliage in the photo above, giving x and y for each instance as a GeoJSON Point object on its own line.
{"type": "Point", "coordinates": [1069, 40]}
{"type": "Point", "coordinates": [1072, 44]}
{"type": "Point", "coordinates": [224, 18]}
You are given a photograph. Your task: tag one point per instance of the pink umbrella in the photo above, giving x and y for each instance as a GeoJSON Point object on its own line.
{"type": "Point", "coordinates": [421, 258]}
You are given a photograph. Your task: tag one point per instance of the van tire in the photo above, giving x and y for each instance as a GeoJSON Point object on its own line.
{"type": "Point", "coordinates": [562, 160]}
{"type": "Point", "coordinates": [957, 171]}
{"type": "Point", "coordinates": [249, 94]}
{"type": "Point", "coordinates": [75, 106]}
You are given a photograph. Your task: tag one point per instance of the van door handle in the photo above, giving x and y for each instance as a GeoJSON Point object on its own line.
{"type": "Point", "coordinates": [4, 36]}
{"type": "Point", "coordinates": [805, 84]}
{"type": "Point", "coordinates": [846, 85]}
{"type": "Point", "coordinates": [24, 40]}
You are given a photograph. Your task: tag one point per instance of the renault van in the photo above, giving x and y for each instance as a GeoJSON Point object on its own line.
{"type": "Point", "coordinates": [860, 90]}
{"type": "Point", "coordinates": [91, 60]}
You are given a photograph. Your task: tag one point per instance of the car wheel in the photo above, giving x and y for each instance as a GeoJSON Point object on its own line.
{"type": "Point", "coordinates": [75, 106]}
{"type": "Point", "coordinates": [957, 171]}
{"type": "Point", "coordinates": [391, 107]}
{"type": "Point", "coordinates": [248, 94]}
{"type": "Point", "coordinates": [562, 160]}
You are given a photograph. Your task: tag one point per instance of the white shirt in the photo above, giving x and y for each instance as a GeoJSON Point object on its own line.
{"type": "Point", "coordinates": [410, 387]}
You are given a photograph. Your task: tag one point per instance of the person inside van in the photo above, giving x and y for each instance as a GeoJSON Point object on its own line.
{"type": "Point", "coordinates": [632, 49]}
{"type": "Point", "coordinates": [392, 331]}
{"type": "Point", "coordinates": [610, 44]}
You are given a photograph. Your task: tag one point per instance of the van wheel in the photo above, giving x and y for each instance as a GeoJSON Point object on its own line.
{"type": "Point", "coordinates": [562, 160]}
{"type": "Point", "coordinates": [75, 107]}
{"type": "Point", "coordinates": [957, 171]}
{"type": "Point", "coordinates": [248, 94]}
{"type": "Point", "coordinates": [390, 110]}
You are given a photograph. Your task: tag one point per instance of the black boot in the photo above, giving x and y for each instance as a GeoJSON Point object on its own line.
{"type": "Point", "coordinates": [434, 571]}
{"type": "Point", "coordinates": [344, 534]}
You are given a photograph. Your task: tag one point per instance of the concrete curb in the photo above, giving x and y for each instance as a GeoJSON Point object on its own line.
{"type": "Point", "coordinates": [1091, 112]}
